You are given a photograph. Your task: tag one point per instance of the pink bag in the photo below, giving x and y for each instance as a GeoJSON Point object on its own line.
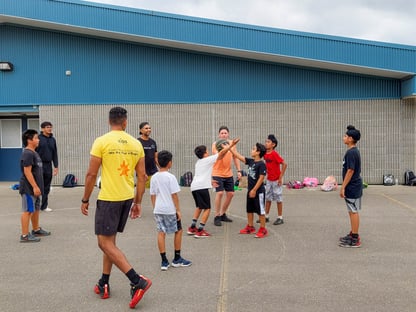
{"type": "Point", "coordinates": [310, 182]}
{"type": "Point", "coordinates": [330, 184]}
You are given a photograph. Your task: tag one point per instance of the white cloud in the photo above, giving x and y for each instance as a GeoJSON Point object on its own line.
{"type": "Point", "coordinates": [379, 20]}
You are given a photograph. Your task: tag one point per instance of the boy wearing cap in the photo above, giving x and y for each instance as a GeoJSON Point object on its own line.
{"type": "Point", "coordinates": [352, 186]}
{"type": "Point", "coordinates": [276, 167]}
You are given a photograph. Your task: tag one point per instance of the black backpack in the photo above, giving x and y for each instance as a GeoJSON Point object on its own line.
{"type": "Point", "coordinates": [409, 178]}
{"type": "Point", "coordinates": [186, 179]}
{"type": "Point", "coordinates": [70, 180]}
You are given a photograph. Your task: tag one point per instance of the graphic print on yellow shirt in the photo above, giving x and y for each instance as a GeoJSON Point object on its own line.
{"type": "Point", "coordinates": [119, 153]}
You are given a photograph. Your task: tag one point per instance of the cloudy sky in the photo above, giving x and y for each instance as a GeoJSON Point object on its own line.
{"type": "Point", "coordinates": [380, 20]}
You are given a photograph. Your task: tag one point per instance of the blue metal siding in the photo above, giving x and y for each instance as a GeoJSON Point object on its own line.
{"type": "Point", "coordinates": [216, 33]}
{"type": "Point", "coordinates": [113, 72]}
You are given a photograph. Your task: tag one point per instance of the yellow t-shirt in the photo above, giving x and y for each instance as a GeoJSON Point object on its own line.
{"type": "Point", "coordinates": [119, 153]}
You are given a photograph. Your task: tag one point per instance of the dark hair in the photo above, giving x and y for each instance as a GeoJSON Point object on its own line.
{"type": "Point", "coordinates": [144, 123]}
{"type": "Point", "coordinates": [354, 133]}
{"type": "Point", "coordinates": [261, 148]}
{"type": "Point", "coordinates": [29, 134]}
{"type": "Point", "coordinates": [200, 151]}
{"type": "Point", "coordinates": [164, 157]}
{"type": "Point", "coordinates": [45, 124]}
{"type": "Point", "coordinates": [272, 138]}
{"type": "Point", "coordinates": [223, 128]}
{"type": "Point", "coordinates": [117, 115]}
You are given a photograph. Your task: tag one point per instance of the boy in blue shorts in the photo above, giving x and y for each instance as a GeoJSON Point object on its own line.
{"type": "Point", "coordinates": [31, 188]}
{"type": "Point", "coordinates": [164, 190]}
{"type": "Point", "coordinates": [201, 184]}
{"type": "Point", "coordinates": [255, 189]}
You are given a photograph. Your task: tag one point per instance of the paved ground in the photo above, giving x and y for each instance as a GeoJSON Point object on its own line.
{"type": "Point", "coordinates": [298, 267]}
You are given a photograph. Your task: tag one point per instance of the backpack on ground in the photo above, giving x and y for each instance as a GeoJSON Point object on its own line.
{"type": "Point", "coordinates": [186, 179]}
{"type": "Point", "coordinates": [295, 185]}
{"type": "Point", "coordinates": [409, 178]}
{"type": "Point", "coordinates": [310, 182]}
{"type": "Point", "coordinates": [70, 180]}
{"type": "Point", "coordinates": [388, 179]}
{"type": "Point", "coordinates": [330, 184]}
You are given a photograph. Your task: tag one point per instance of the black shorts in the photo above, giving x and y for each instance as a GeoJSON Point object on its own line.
{"type": "Point", "coordinates": [111, 217]}
{"type": "Point", "coordinates": [202, 199]}
{"type": "Point", "coordinates": [256, 204]}
{"type": "Point", "coordinates": [224, 184]}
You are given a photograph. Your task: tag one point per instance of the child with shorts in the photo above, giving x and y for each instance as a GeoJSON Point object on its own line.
{"type": "Point", "coordinates": [352, 186]}
{"type": "Point", "coordinates": [201, 185]}
{"type": "Point", "coordinates": [255, 189]}
{"type": "Point", "coordinates": [276, 168]}
{"type": "Point", "coordinates": [164, 190]}
{"type": "Point", "coordinates": [31, 188]}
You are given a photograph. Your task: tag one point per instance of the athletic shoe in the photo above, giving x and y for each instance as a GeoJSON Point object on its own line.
{"type": "Point", "coordinates": [103, 291]}
{"type": "Point", "coordinates": [29, 238]}
{"type": "Point", "coordinates": [192, 230]}
{"type": "Point", "coordinates": [248, 230]}
{"type": "Point", "coordinates": [267, 220]}
{"type": "Point", "coordinates": [217, 221]}
{"type": "Point", "coordinates": [137, 291]}
{"type": "Point", "coordinates": [202, 234]}
{"type": "Point", "coordinates": [41, 232]}
{"type": "Point", "coordinates": [47, 209]}
{"type": "Point", "coordinates": [165, 265]}
{"type": "Point", "coordinates": [181, 262]}
{"type": "Point", "coordinates": [278, 221]}
{"type": "Point", "coordinates": [224, 218]}
{"type": "Point", "coordinates": [346, 238]}
{"type": "Point", "coordinates": [262, 232]}
{"type": "Point", "coordinates": [352, 243]}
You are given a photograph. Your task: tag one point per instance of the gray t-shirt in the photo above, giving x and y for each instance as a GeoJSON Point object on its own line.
{"type": "Point", "coordinates": [30, 158]}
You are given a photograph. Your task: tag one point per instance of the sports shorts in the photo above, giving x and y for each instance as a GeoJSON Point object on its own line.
{"type": "Point", "coordinates": [202, 199]}
{"type": "Point", "coordinates": [111, 217]}
{"type": "Point", "coordinates": [256, 204]}
{"type": "Point", "coordinates": [353, 204]}
{"type": "Point", "coordinates": [273, 191]}
{"type": "Point", "coordinates": [30, 203]}
{"type": "Point", "coordinates": [167, 223]}
{"type": "Point", "coordinates": [224, 184]}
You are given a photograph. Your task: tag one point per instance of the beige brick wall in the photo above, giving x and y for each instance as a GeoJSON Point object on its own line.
{"type": "Point", "coordinates": [309, 133]}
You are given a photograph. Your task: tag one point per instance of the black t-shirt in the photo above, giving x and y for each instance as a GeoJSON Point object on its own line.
{"type": "Point", "coordinates": [352, 160]}
{"type": "Point", "coordinates": [150, 148]}
{"type": "Point", "coordinates": [255, 170]}
{"type": "Point", "coordinates": [30, 158]}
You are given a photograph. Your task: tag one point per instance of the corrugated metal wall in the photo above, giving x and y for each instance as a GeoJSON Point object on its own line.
{"type": "Point", "coordinates": [309, 133]}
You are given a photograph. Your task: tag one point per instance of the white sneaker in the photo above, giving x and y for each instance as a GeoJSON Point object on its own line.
{"type": "Point", "coordinates": [47, 209]}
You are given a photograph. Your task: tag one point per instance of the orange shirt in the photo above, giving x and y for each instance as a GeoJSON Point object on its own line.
{"type": "Point", "coordinates": [222, 167]}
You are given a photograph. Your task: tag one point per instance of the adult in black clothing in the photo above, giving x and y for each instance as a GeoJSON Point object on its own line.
{"type": "Point", "coordinates": [150, 151]}
{"type": "Point", "coordinates": [48, 152]}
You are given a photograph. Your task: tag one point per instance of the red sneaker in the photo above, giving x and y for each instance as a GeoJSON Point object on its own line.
{"type": "Point", "coordinates": [202, 234]}
{"type": "Point", "coordinates": [137, 291]}
{"type": "Point", "coordinates": [103, 291]}
{"type": "Point", "coordinates": [192, 231]}
{"type": "Point", "coordinates": [248, 230]}
{"type": "Point", "coordinates": [262, 232]}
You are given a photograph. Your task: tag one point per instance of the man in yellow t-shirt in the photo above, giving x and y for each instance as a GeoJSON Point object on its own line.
{"type": "Point", "coordinates": [120, 156]}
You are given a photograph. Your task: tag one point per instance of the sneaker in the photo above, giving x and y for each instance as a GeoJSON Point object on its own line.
{"type": "Point", "coordinates": [267, 220]}
{"type": "Point", "coordinates": [47, 209]}
{"type": "Point", "coordinates": [29, 238]}
{"type": "Point", "coordinates": [202, 234]}
{"type": "Point", "coordinates": [262, 232]}
{"type": "Point", "coordinates": [137, 291]}
{"type": "Point", "coordinates": [224, 218]}
{"type": "Point", "coordinates": [346, 238]}
{"type": "Point", "coordinates": [248, 230]}
{"type": "Point", "coordinates": [217, 221]}
{"type": "Point", "coordinates": [181, 262]}
{"type": "Point", "coordinates": [192, 231]}
{"type": "Point", "coordinates": [352, 243]}
{"type": "Point", "coordinates": [278, 221]}
{"type": "Point", "coordinates": [165, 265]}
{"type": "Point", "coordinates": [41, 232]}
{"type": "Point", "coordinates": [103, 291]}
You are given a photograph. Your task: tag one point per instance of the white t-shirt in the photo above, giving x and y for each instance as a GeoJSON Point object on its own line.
{"type": "Point", "coordinates": [203, 173]}
{"type": "Point", "coordinates": [163, 185]}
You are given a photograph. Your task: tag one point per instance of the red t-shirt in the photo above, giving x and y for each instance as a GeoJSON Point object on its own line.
{"type": "Point", "coordinates": [273, 161]}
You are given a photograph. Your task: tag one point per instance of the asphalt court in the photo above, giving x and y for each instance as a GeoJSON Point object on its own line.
{"type": "Point", "coordinates": [298, 267]}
